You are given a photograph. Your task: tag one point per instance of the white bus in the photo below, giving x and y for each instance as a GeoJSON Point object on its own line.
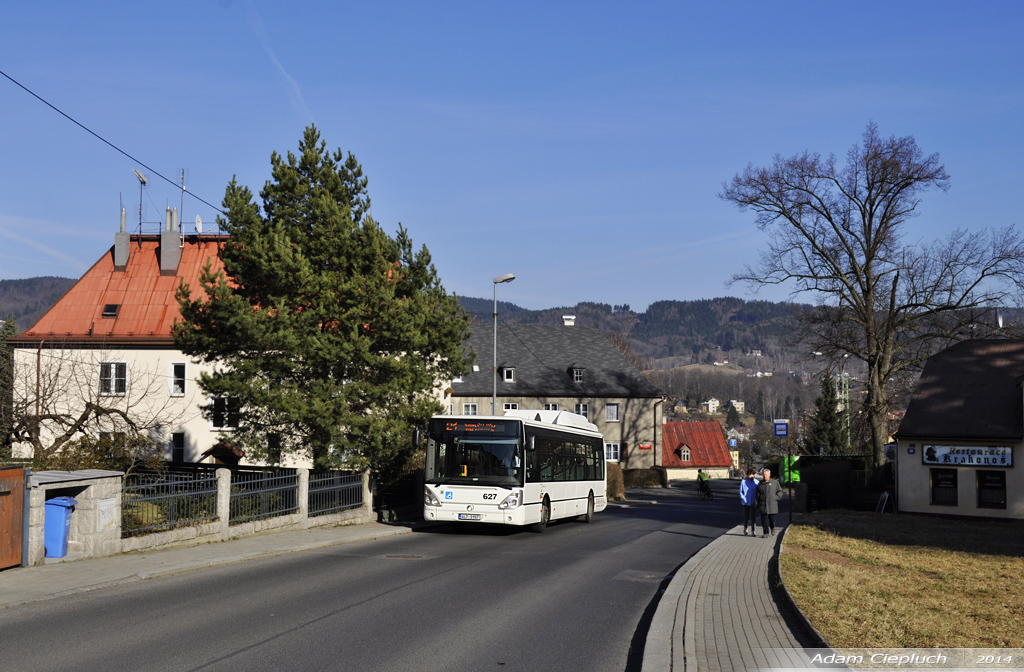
{"type": "Point", "coordinates": [525, 468]}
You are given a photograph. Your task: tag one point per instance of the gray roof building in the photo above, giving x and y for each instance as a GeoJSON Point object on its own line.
{"type": "Point", "coordinates": [544, 358]}
{"type": "Point", "coordinates": [567, 368]}
{"type": "Point", "coordinates": [962, 432]}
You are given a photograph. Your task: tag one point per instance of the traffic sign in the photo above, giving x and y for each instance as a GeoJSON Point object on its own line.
{"type": "Point", "coordinates": [782, 428]}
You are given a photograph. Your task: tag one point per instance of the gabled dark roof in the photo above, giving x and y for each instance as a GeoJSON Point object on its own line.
{"type": "Point", "coordinates": [705, 439]}
{"type": "Point", "coordinates": [969, 391]}
{"type": "Point", "coordinates": [543, 357]}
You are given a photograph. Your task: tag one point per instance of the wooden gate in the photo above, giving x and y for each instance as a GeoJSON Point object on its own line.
{"type": "Point", "coordinates": [12, 500]}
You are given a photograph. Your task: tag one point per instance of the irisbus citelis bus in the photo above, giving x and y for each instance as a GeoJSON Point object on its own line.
{"type": "Point", "coordinates": [523, 468]}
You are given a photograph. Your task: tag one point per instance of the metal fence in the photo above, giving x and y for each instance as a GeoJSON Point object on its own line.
{"type": "Point", "coordinates": [256, 495]}
{"type": "Point", "coordinates": [333, 491]}
{"type": "Point", "coordinates": [154, 502]}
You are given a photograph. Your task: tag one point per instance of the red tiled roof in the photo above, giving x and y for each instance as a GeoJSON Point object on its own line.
{"type": "Point", "coordinates": [705, 440]}
{"type": "Point", "coordinates": [146, 298]}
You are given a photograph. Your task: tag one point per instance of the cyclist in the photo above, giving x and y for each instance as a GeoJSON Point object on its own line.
{"type": "Point", "coordinates": [702, 482]}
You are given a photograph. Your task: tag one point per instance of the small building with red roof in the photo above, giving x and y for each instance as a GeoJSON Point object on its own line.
{"type": "Point", "coordinates": [689, 446]}
{"type": "Point", "coordinates": [107, 344]}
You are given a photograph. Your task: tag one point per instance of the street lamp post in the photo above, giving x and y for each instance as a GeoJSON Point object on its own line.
{"type": "Point", "coordinates": [508, 277]}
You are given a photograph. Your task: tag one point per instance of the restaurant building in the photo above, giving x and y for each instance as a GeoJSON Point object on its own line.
{"type": "Point", "coordinates": [963, 432]}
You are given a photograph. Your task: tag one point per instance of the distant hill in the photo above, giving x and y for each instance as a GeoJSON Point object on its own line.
{"type": "Point", "coordinates": [29, 298]}
{"type": "Point", "coordinates": [679, 333]}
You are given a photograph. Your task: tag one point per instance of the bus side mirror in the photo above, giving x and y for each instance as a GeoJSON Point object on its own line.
{"type": "Point", "coordinates": [417, 437]}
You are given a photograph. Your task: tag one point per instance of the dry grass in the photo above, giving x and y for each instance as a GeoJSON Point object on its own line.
{"type": "Point", "coordinates": [868, 580]}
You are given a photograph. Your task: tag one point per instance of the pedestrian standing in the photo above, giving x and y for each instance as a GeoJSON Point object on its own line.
{"type": "Point", "coordinates": [748, 497]}
{"type": "Point", "coordinates": [769, 493]}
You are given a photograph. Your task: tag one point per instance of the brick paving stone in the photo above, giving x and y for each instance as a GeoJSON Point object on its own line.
{"type": "Point", "coordinates": [726, 618]}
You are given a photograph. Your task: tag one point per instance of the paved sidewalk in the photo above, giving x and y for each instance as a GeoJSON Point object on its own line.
{"type": "Point", "coordinates": [21, 585]}
{"type": "Point", "coordinates": [719, 614]}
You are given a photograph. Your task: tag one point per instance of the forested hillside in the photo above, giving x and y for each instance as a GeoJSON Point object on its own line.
{"type": "Point", "coordinates": [677, 333]}
{"type": "Point", "coordinates": [27, 299]}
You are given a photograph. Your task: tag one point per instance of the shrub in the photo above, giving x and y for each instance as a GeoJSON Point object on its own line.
{"type": "Point", "coordinates": [616, 488]}
{"type": "Point", "coordinates": [642, 478]}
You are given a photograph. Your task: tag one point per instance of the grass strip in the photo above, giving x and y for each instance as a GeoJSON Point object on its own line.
{"type": "Point", "coordinates": [884, 580]}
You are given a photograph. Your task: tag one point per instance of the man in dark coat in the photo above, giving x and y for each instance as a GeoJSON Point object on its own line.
{"type": "Point", "coordinates": [769, 493]}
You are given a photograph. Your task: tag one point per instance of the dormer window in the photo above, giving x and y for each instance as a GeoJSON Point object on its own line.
{"type": "Point", "coordinates": [111, 309]}
{"type": "Point", "coordinates": [577, 375]}
{"type": "Point", "coordinates": [508, 374]}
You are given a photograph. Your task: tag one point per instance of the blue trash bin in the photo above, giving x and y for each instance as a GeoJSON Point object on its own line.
{"type": "Point", "coordinates": [57, 525]}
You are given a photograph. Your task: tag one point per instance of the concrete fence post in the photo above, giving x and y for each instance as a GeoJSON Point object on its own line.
{"type": "Point", "coordinates": [303, 494]}
{"type": "Point", "coordinates": [367, 494]}
{"type": "Point", "coordinates": [224, 501]}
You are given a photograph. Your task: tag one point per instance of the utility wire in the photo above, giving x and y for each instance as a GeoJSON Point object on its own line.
{"type": "Point", "coordinates": [109, 144]}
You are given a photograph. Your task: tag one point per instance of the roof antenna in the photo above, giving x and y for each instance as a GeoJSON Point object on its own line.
{"type": "Point", "coordinates": [142, 183]}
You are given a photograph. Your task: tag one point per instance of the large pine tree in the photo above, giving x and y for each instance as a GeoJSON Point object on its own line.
{"type": "Point", "coordinates": [329, 333]}
{"type": "Point", "coordinates": [827, 431]}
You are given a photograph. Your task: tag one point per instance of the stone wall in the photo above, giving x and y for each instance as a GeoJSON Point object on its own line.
{"type": "Point", "coordinates": [96, 518]}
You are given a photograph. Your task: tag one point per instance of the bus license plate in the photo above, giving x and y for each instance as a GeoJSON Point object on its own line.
{"type": "Point", "coordinates": [469, 516]}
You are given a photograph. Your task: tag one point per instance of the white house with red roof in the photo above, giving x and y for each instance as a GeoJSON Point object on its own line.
{"type": "Point", "coordinates": [107, 344]}
{"type": "Point", "coordinates": [689, 446]}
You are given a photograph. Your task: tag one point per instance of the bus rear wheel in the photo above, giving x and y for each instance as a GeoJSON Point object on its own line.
{"type": "Point", "coordinates": [545, 515]}
{"type": "Point", "coordinates": [588, 517]}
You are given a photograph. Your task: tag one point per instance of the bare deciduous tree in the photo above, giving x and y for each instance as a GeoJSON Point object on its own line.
{"type": "Point", "coordinates": [838, 234]}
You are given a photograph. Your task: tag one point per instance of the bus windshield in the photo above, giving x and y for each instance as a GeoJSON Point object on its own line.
{"type": "Point", "coordinates": [486, 452]}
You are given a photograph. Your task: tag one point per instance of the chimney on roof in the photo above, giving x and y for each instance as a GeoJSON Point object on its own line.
{"type": "Point", "coordinates": [170, 244]}
{"type": "Point", "coordinates": [122, 245]}
{"type": "Point", "coordinates": [569, 320]}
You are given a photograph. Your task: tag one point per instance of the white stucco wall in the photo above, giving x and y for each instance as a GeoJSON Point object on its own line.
{"type": "Point", "coordinates": [914, 483]}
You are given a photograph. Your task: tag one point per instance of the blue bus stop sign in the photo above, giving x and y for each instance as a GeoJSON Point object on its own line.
{"type": "Point", "coordinates": [782, 428]}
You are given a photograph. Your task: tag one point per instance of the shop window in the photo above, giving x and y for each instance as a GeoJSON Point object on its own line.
{"type": "Point", "coordinates": [991, 489]}
{"type": "Point", "coordinates": [944, 487]}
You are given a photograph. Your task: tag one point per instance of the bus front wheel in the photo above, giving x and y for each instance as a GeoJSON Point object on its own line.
{"type": "Point", "coordinates": [545, 515]}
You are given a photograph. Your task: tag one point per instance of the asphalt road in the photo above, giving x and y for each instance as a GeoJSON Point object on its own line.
{"type": "Point", "coordinates": [577, 597]}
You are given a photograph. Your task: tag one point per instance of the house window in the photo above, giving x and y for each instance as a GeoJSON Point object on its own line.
{"type": "Point", "coordinates": [550, 407]}
{"type": "Point", "coordinates": [577, 375]}
{"type": "Point", "coordinates": [683, 453]}
{"type": "Point", "coordinates": [611, 413]}
{"type": "Point", "coordinates": [944, 487]}
{"type": "Point", "coordinates": [178, 447]}
{"type": "Point", "coordinates": [582, 409]}
{"type": "Point", "coordinates": [508, 374]}
{"type": "Point", "coordinates": [113, 378]}
{"type": "Point", "coordinates": [274, 448]}
{"type": "Point", "coordinates": [611, 452]}
{"type": "Point", "coordinates": [178, 379]}
{"type": "Point", "coordinates": [111, 310]}
{"type": "Point", "coordinates": [511, 407]}
{"type": "Point", "coordinates": [225, 413]}
{"type": "Point", "coordinates": [469, 409]}
{"type": "Point", "coordinates": [991, 489]}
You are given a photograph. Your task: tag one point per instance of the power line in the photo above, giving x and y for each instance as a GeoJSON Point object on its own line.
{"type": "Point", "coordinates": [108, 143]}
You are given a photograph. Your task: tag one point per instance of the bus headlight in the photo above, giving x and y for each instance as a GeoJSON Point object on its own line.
{"type": "Point", "coordinates": [429, 498]}
{"type": "Point", "coordinates": [512, 501]}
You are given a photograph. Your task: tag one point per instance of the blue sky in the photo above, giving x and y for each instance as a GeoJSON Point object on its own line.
{"type": "Point", "coordinates": [578, 145]}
